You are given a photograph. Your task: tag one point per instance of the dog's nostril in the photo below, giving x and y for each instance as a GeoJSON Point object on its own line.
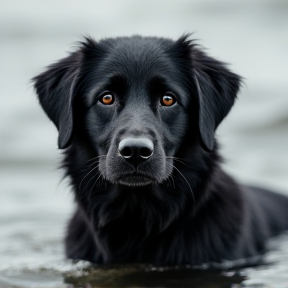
{"type": "Point", "coordinates": [145, 152]}
{"type": "Point", "coordinates": [126, 152]}
{"type": "Point", "coordinates": [136, 150]}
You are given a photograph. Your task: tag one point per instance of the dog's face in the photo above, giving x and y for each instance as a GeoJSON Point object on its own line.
{"type": "Point", "coordinates": [137, 103]}
{"type": "Point", "coordinates": [139, 98]}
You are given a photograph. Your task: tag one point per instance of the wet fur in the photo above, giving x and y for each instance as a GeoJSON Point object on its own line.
{"type": "Point", "coordinates": [193, 212]}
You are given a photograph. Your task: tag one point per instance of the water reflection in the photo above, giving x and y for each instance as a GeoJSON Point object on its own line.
{"type": "Point", "coordinates": [152, 277]}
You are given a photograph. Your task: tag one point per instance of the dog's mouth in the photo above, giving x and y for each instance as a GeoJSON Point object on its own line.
{"type": "Point", "coordinates": [136, 179]}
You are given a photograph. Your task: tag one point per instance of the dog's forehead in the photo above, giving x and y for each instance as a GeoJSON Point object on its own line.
{"type": "Point", "coordinates": [138, 56]}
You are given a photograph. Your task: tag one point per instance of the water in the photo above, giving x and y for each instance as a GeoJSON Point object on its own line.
{"type": "Point", "coordinates": [271, 273]}
{"type": "Point", "coordinates": [35, 205]}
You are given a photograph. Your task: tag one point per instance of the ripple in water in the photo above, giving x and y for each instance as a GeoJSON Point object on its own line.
{"type": "Point", "coordinates": [57, 273]}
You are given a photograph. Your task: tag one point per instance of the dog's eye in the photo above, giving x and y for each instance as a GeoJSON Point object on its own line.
{"type": "Point", "coordinates": [168, 100]}
{"type": "Point", "coordinates": [107, 98]}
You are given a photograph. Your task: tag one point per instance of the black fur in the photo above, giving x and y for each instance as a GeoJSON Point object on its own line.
{"type": "Point", "coordinates": [177, 207]}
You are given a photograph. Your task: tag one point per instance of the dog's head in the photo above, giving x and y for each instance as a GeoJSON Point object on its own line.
{"type": "Point", "coordinates": [140, 98]}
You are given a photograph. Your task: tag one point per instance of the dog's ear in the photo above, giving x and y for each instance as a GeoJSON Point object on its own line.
{"type": "Point", "coordinates": [56, 91]}
{"type": "Point", "coordinates": [217, 88]}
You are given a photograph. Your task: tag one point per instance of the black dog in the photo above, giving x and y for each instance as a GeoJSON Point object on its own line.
{"type": "Point", "coordinates": [136, 117]}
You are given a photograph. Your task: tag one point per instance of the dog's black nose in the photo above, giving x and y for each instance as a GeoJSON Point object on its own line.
{"type": "Point", "coordinates": [136, 150]}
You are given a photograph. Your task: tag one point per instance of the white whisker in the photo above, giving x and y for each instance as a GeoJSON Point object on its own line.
{"type": "Point", "coordinates": [94, 158]}
{"type": "Point", "coordinates": [184, 179]}
{"type": "Point", "coordinates": [94, 184]}
{"type": "Point", "coordinates": [177, 159]}
{"type": "Point", "coordinates": [86, 176]}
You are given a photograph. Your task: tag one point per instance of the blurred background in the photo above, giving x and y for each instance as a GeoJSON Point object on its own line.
{"type": "Point", "coordinates": [252, 35]}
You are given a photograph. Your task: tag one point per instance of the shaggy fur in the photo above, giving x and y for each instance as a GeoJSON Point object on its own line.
{"type": "Point", "coordinates": [163, 198]}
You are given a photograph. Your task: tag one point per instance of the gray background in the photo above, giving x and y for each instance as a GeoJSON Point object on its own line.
{"type": "Point", "coordinates": [251, 35]}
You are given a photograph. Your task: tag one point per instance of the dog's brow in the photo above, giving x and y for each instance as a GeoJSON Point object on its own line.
{"type": "Point", "coordinates": [160, 82]}
{"type": "Point", "coordinates": [118, 79]}
{"type": "Point", "coordinates": [115, 82]}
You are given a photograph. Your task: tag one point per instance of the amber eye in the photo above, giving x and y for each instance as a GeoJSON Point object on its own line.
{"type": "Point", "coordinates": [168, 100]}
{"type": "Point", "coordinates": [107, 98]}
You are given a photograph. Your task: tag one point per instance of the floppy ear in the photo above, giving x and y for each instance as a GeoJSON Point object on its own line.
{"type": "Point", "coordinates": [217, 89]}
{"type": "Point", "coordinates": [56, 91]}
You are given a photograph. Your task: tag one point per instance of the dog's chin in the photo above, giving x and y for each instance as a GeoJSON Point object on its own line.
{"type": "Point", "coordinates": [135, 180]}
